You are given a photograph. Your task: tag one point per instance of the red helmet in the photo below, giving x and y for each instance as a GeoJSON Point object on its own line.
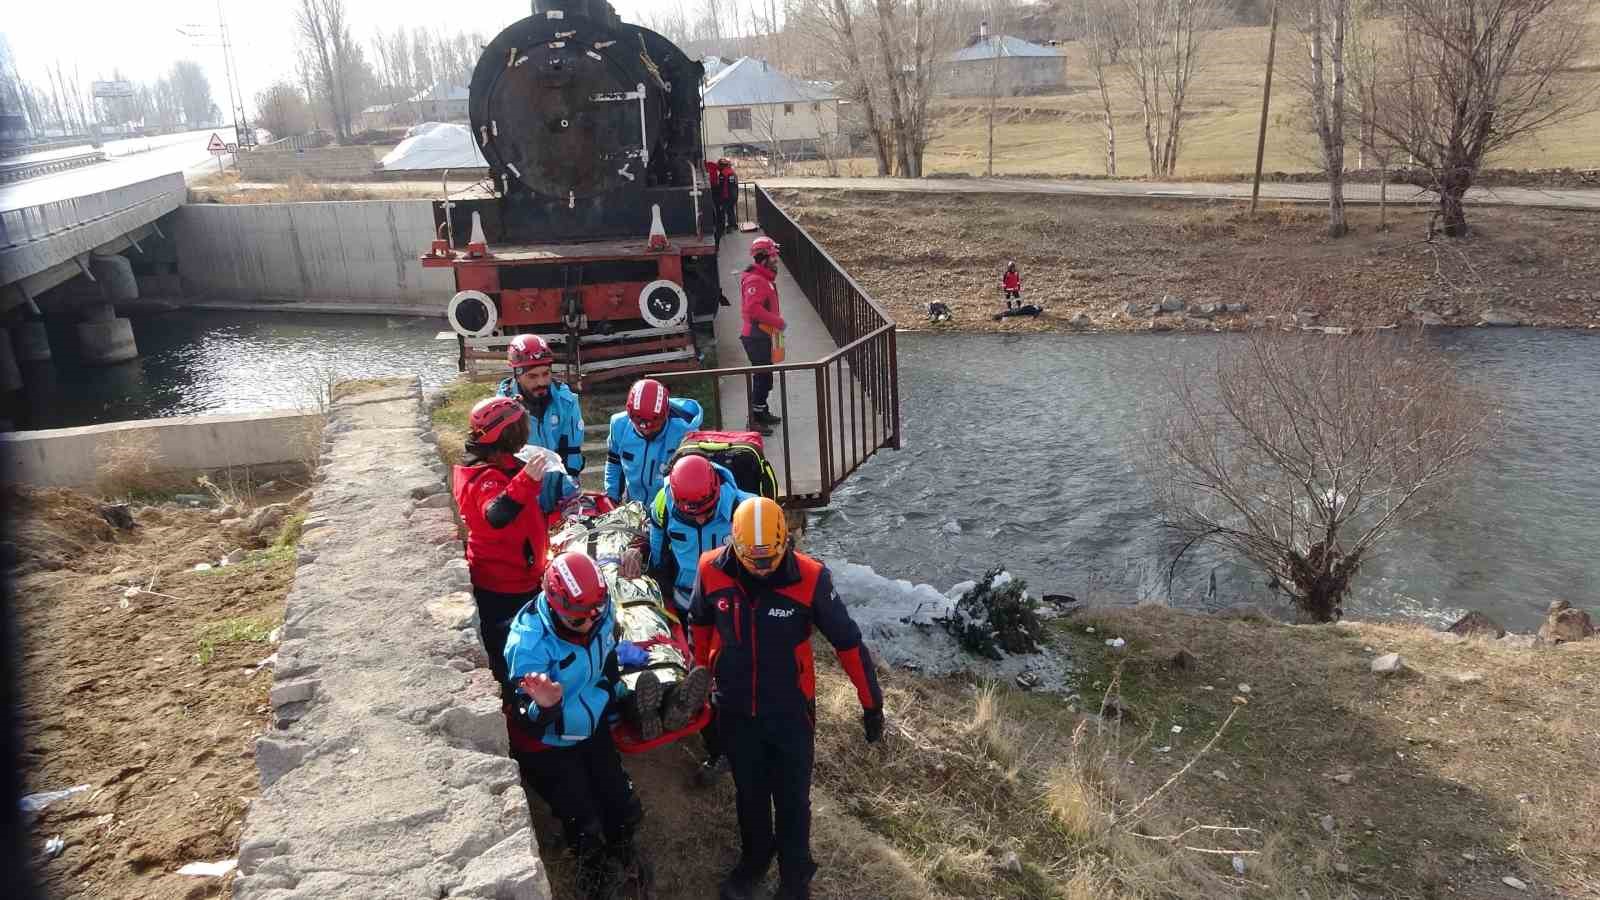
{"type": "Point", "coordinates": [647, 405]}
{"type": "Point", "coordinates": [764, 245]}
{"type": "Point", "coordinates": [573, 585]}
{"type": "Point", "coordinates": [491, 416]}
{"type": "Point", "coordinates": [695, 485]}
{"type": "Point", "coordinates": [528, 350]}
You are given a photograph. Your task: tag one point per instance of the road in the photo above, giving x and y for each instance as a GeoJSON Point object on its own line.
{"type": "Point", "coordinates": [1554, 198]}
{"type": "Point", "coordinates": [132, 160]}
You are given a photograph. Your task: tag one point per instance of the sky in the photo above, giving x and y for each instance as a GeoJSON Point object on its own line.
{"type": "Point", "coordinates": [142, 39]}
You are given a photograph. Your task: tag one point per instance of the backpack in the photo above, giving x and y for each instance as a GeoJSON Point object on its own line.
{"type": "Point", "coordinates": [740, 452]}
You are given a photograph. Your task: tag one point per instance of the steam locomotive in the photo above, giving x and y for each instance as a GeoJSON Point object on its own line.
{"type": "Point", "coordinates": [599, 233]}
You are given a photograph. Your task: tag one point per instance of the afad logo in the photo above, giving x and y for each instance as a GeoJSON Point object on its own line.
{"type": "Point", "coordinates": [780, 613]}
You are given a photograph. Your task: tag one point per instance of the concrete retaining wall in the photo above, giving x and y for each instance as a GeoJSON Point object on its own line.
{"type": "Point", "coordinates": [385, 772]}
{"type": "Point", "coordinates": [70, 457]}
{"type": "Point", "coordinates": [361, 251]}
{"type": "Point", "coordinates": [321, 164]}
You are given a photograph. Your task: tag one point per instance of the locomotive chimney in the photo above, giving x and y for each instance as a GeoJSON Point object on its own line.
{"type": "Point", "coordinates": [594, 10]}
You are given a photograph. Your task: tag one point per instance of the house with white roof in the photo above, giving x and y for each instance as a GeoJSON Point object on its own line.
{"type": "Point", "coordinates": [752, 108]}
{"type": "Point", "coordinates": [1010, 66]}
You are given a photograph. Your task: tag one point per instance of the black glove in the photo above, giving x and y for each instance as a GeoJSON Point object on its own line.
{"type": "Point", "coordinates": [872, 723]}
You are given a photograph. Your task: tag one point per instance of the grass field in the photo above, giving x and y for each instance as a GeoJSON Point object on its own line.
{"type": "Point", "coordinates": [1061, 134]}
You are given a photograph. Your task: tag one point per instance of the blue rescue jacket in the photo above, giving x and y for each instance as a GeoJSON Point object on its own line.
{"type": "Point", "coordinates": [560, 428]}
{"type": "Point", "coordinates": [588, 673]}
{"type": "Point", "coordinates": [676, 543]}
{"type": "Point", "coordinates": [636, 468]}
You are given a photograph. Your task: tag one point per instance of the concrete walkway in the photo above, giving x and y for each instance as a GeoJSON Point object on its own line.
{"type": "Point", "coordinates": [385, 773]}
{"type": "Point", "coordinates": [1551, 198]}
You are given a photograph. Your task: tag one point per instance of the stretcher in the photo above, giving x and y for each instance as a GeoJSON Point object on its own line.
{"type": "Point", "coordinates": [594, 526]}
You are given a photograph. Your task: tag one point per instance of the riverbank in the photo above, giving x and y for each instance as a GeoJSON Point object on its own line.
{"type": "Point", "coordinates": [1105, 264]}
{"type": "Point", "coordinates": [146, 679]}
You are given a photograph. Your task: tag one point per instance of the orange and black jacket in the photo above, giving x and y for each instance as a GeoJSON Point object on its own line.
{"type": "Point", "coordinates": [756, 635]}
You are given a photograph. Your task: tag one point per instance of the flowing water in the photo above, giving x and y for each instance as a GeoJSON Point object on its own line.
{"type": "Point", "coordinates": [1018, 453]}
{"type": "Point", "coordinates": [227, 362]}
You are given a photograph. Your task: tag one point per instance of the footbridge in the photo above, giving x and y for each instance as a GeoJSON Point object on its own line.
{"type": "Point", "coordinates": [838, 388]}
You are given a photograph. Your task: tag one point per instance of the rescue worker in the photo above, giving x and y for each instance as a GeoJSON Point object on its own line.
{"type": "Point", "coordinates": [758, 307]}
{"type": "Point", "coordinates": [506, 506]}
{"type": "Point", "coordinates": [556, 421]}
{"type": "Point", "coordinates": [757, 592]}
{"type": "Point", "coordinates": [643, 438]}
{"type": "Point", "coordinates": [714, 195]}
{"type": "Point", "coordinates": [563, 657]}
{"type": "Point", "coordinates": [1011, 285]}
{"type": "Point", "coordinates": [728, 194]}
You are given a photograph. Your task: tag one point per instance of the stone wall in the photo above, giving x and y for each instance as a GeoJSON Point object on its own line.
{"type": "Point", "coordinates": [385, 771]}
{"type": "Point", "coordinates": [320, 164]}
{"type": "Point", "coordinates": [357, 252]}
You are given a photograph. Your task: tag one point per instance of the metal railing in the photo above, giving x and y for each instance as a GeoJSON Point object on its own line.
{"type": "Point", "coordinates": [856, 388]}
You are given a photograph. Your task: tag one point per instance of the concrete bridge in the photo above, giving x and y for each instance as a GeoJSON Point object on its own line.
{"type": "Point", "coordinates": [79, 222]}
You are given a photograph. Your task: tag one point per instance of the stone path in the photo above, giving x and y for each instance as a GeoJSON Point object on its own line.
{"type": "Point", "coordinates": [385, 773]}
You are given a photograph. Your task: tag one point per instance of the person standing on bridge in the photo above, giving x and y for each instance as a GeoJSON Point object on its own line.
{"type": "Point", "coordinates": [555, 419]}
{"type": "Point", "coordinates": [755, 605]}
{"type": "Point", "coordinates": [763, 327]}
{"type": "Point", "coordinates": [728, 194]}
{"type": "Point", "coordinates": [643, 438]}
{"type": "Point", "coordinates": [714, 194]}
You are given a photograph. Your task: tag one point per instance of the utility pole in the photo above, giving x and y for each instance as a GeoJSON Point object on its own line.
{"type": "Point", "coordinates": [994, 89]}
{"type": "Point", "coordinates": [1266, 102]}
{"type": "Point", "coordinates": [196, 33]}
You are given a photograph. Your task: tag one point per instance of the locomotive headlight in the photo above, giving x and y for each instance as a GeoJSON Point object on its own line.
{"type": "Point", "coordinates": [663, 304]}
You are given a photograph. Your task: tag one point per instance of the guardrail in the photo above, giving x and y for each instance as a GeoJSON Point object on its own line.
{"type": "Point", "coordinates": [856, 388]}
{"type": "Point", "coordinates": [13, 171]}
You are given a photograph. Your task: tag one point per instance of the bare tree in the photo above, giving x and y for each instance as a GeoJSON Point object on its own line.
{"type": "Point", "coordinates": [834, 27]}
{"type": "Point", "coordinates": [1164, 39]}
{"type": "Point", "coordinates": [193, 89]}
{"type": "Point", "coordinates": [1304, 451]}
{"type": "Point", "coordinates": [913, 36]}
{"type": "Point", "coordinates": [1324, 27]}
{"type": "Point", "coordinates": [324, 33]}
{"type": "Point", "coordinates": [1100, 27]}
{"type": "Point", "coordinates": [282, 110]}
{"type": "Point", "coordinates": [1463, 79]}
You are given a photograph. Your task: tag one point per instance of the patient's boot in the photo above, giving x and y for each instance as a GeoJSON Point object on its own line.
{"type": "Point", "coordinates": [686, 699]}
{"type": "Point", "coordinates": [647, 700]}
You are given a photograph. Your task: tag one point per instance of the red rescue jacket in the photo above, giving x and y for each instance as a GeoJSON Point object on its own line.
{"type": "Point", "coordinates": [713, 178]}
{"type": "Point", "coordinates": [758, 299]}
{"type": "Point", "coordinates": [510, 559]}
{"type": "Point", "coordinates": [1011, 281]}
{"type": "Point", "coordinates": [756, 635]}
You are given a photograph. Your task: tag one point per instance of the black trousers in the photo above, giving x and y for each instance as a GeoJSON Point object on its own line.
{"type": "Point", "coordinates": [758, 346]}
{"type": "Point", "coordinates": [730, 214]}
{"type": "Point", "coordinates": [495, 612]}
{"type": "Point", "coordinates": [771, 759]}
{"type": "Point", "coordinates": [717, 218]}
{"type": "Point", "coordinates": [585, 787]}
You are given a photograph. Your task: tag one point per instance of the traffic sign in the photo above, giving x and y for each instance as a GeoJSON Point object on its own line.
{"type": "Point", "coordinates": [232, 148]}
{"type": "Point", "coordinates": [215, 145]}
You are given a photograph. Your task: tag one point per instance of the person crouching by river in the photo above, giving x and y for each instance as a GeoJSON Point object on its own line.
{"type": "Point", "coordinates": [562, 654]}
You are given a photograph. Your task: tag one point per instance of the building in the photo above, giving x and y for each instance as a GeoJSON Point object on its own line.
{"type": "Point", "coordinates": [440, 103]}
{"type": "Point", "coordinates": [1007, 65]}
{"type": "Point", "coordinates": [752, 108]}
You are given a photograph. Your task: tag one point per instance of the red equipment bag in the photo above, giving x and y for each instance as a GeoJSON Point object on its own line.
{"type": "Point", "coordinates": [741, 452]}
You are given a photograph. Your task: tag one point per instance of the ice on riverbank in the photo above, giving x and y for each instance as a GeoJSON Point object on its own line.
{"type": "Point", "coordinates": [897, 619]}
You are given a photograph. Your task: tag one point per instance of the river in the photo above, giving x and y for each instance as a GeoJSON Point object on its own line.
{"type": "Point", "coordinates": [1016, 454]}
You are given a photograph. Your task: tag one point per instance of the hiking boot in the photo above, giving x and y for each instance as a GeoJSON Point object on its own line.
{"type": "Point", "coordinates": [687, 699]}
{"type": "Point", "coordinates": [711, 771]}
{"type": "Point", "coordinates": [741, 883]}
{"type": "Point", "coordinates": [795, 891]}
{"type": "Point", "coordinates": [647, 702]}
{"type": "Point", "coordinates": [599, 875]}
{"type": "Point", "coordinates": [765, 416]}
{"type": "Point", "coordinates": [758, 426]}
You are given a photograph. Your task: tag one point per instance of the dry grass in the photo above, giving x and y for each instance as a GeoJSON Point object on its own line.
{"type": "Point", "coordinates": [130, 465]}
{"type": "Point", "coordinates": [227, 189]}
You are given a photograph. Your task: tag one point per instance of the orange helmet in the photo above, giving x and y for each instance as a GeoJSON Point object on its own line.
{"type": "Point", "coordinates": [760, 535]}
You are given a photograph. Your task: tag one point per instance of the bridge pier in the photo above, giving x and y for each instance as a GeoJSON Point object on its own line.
{"type": "Point", "coordinates": [31, 342]}
{"type": "Point", "coordinates": [104, 339]}
{"type": "Point", "coordinates": [10, 375]}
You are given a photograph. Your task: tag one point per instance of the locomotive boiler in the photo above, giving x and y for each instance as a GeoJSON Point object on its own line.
{"type": "Point", "coordinates": [597, 232]}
